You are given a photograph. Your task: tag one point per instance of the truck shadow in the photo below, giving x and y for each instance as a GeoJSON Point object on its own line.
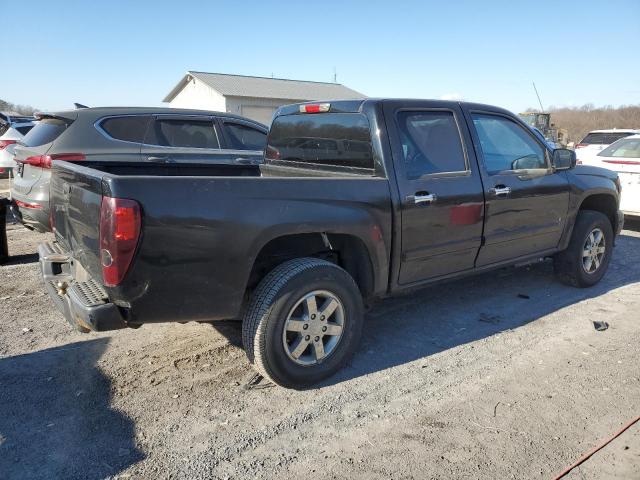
{"type": "Point", "coordinates": [56, 420]}
{"type": "Point", "coordinates": [632, 224]}
{"type": "Point", "coordinates": [22, 259]}
{"type": "Point", "coordinates": [412, 327]}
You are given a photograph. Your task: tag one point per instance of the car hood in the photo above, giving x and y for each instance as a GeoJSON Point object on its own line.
{"type": "Point", "coordinates": [595, 171]}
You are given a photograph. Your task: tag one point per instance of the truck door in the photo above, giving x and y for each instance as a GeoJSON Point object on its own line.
{"type": "Point", "coordinates": [526, 200]}
{"type": "Point", "coordinates": [440, 189]}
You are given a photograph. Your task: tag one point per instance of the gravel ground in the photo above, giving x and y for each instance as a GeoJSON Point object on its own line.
{"type": "Point", "coordinates": [498, 376]}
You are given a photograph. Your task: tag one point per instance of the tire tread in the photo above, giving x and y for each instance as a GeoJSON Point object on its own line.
{"type": "Point", "coordinates": [254, 324]}
{"type": "Point", "coordinates": [566, 263]}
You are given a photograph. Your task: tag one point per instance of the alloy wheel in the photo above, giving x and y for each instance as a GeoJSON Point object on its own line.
{"type": "Point", "coordinates": [313, 328]}
{"type": "Point", "coordinates": [593, 251]}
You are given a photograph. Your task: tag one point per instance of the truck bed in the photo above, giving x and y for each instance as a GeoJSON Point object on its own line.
{"type": "Point", "coordinates": [202, 229]}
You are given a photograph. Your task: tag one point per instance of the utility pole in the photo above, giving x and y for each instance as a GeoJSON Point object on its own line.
{"type": "Point", "coordinates": [537, 95]}
{"type": "Point", "coordinates": [335, 75]}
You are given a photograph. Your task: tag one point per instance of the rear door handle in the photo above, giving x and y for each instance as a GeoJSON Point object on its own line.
{"type": "Point", "coordinates": [421, 197]}
{"type": "Point", "coordinates": [161, 159]}
{"type": "Point", "coordinates": [501, 191]}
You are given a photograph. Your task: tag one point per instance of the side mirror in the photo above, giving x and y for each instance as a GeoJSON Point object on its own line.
{"type": "Point", "coordinates": [563, 159]}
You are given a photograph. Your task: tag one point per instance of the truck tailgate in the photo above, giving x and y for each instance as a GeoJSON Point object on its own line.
{"type": "Point", "coordinates": [75, 196]}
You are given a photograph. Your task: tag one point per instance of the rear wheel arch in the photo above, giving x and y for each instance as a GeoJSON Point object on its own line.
{"type": "Point", "coordinates": [345, 250]}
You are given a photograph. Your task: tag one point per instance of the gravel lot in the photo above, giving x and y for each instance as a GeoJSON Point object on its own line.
{"type": "Point", "coordinates": [498, 376]}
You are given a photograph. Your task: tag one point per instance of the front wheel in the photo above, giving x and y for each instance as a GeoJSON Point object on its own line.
{"type": "Point", "coordinates": [303, 323]}
{"type": "Point", "coordinates": [586, 259]}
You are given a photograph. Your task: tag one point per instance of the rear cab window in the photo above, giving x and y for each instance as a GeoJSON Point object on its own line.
{"type": "Point", "coordinates": [339, 142]}
{"type": "Point", "coordinates": [46, 131]}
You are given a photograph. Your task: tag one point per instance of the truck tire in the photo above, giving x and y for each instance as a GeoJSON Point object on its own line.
{"type": "Point", "coordinates": [303, 323]}
{"type": "Point", "coordinates": [587, 257]}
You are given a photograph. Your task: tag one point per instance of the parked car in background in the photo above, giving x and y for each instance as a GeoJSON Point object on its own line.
{"type": "Point", "coordinates": [357, 200]}
{"type": "Point", "coordinates": [13, 128]}
{"type": "Point", "coordinates": [623, 157]}
{"type": "Point", "coordinates": [597, 140]}
{"type": "Point", "coordinates": [129, 135]}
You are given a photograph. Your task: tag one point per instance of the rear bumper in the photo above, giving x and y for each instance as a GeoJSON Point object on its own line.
{"type": "Point", "coordinates": [620, 223]}
{"type": "Point", "coordinates": [33, 218]}
{"type": "Point", "coordinates": [85, 305]}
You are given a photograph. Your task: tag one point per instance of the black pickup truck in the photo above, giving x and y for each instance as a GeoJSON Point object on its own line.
{"type": "Point", "coordinates": [357, 200]}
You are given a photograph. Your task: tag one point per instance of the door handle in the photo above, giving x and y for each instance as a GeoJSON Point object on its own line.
{"type": "Point", "coordinates": [501, 191]}
{"type": "Point", "coordinates": [423, 197]}
{"type": "Point", "coordinates": [161, 159]}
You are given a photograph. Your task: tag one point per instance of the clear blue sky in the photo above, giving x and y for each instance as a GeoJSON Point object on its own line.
{"type": "Point", "coordinates": [120, 52]}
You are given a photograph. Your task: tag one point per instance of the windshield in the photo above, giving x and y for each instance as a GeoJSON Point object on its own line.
{"type": "Point", "coordinates": [625, 148]}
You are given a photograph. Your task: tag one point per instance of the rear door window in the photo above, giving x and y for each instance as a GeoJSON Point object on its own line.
{"type": "Point", "coordinates": [128, 128]}
{"type": "Point", "coordinates": [340, 140]}
{"type": "Point", "coordinates": [45, 131]}
{"type": "Point", "coordinates": [244, 137]}
{"type": "Point", "coordinates": [430, 143]}
{"type": "Point", "coordinates": [185, 133]}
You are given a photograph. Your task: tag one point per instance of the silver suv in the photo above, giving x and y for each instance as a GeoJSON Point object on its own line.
{"type": "Point", "coordinates": [115, 134]}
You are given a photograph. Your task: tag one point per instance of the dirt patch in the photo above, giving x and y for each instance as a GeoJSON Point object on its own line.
{"type": "Point", "coordinates": [465, 380]}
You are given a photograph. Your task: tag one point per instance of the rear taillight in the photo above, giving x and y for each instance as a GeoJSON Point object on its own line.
{"type": "Point", "coordinates": [44, 161]}
{"type": "Point", "coordinates": [581, 145]}
{"type": "Point", "coordinates": [5, 143]}
{"type": "Point", "coordinates": [272, 153]}
{"type": "Point", "coordinates": [120, 221]}
{"type": "Point", "coordinates": [623, 162]}
{"type": "Point", "coordinates": [27, 205]}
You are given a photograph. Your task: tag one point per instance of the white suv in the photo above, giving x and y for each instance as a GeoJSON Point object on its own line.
{"type": "Point", "coordinates": [13, 128]}
{"type": "Point", "coordinates": [595, 141]}
{"type": "Point", "coordinates": [623, 156]}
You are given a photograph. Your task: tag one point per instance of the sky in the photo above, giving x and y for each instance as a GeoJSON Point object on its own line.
{"type": "Point", "coordinates": [127, 53]}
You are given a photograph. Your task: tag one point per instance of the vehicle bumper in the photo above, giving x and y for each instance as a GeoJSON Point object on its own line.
{"type": "Point", "coordinates": [620, 223]}
{"type": "Point", "coordinates": [33, 218]}
{"type": "Point", "coordinates": [85, 305]}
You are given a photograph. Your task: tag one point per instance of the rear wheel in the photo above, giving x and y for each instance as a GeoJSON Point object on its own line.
{"type": "Point", "coordinates": [586, 259]}
{"type": "Point", "coordinates": [303, 323]}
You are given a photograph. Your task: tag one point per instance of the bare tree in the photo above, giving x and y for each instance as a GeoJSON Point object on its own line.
{"type": "Point", "coordinates": [12, 107]}
{"type": "Point", "coordinates": [580, 120]}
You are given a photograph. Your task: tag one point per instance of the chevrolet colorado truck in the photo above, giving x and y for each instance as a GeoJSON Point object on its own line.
{"type": "Point", "coordinates": [355, 201]}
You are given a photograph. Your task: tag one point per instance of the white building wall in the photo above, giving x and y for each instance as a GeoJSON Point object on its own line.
{"type": "Point", "coordinates": [259, 109]}
{"type": "Point", "coordinates": [198, 95]}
